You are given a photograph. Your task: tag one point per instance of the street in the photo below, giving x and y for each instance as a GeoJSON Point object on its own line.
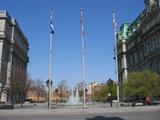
{"type": "Point", "coordinates": [149, 115]}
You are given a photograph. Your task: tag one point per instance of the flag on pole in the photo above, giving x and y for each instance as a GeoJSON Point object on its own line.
{"type": "Point", "coordinates": [82, 25]}
{"type": "Point", "coordinates": [114, 21]}
{"type": "Point", "coordinates": [51, 23]}
{"type": "Point", "coordinates": [52, 28]}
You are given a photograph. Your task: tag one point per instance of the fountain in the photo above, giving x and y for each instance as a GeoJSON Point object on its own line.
{"type": "Point", "coordinates": [74, 99]}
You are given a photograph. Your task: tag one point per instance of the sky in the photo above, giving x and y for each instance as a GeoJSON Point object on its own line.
{"type": "Point", "coordinates": [33, 17]}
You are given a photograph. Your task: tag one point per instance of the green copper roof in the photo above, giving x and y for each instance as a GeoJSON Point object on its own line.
{"type": "Point", "coordinates": [124, 29]}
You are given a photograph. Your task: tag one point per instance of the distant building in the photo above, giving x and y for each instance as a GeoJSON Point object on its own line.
{"type": "Point", "coordinates": [91, 88]}
{"type": "Point", "coordinates": [13, 60]}
{"type": "Point", "coordinates": [56, 95]}
{"type": "Point", "coordinates": [35, 95]}
{"type": "Point", "coordinates": [32, 96]}
{"type": "Point", "coordinates": [36, 91]}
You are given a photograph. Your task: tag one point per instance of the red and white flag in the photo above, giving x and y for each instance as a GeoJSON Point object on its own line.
{"type": "Point", "coordinates": [114, 21]}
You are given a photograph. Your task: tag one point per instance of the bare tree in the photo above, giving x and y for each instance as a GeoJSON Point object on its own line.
{"type": "Point", "coordinates": [62, 89]}
{"type": "Point", "coordinates": [29, 83]}
{"type": "Point", "coordinates": [18, 86]}
{"type": "Point", "coordinates": [36, 90]}
{"type": "Point", "coordinates": [41, 90]}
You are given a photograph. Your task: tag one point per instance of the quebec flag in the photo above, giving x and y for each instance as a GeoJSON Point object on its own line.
{"type": "Point", "coordinates": [52, 27]}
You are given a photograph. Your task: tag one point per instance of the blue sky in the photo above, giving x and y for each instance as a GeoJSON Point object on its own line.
{"type": "Point", "coordinates": [34, 20]}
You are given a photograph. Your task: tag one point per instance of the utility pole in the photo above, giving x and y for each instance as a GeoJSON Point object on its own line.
{"type": "Point", "coordinates": [116, 57]}
{"type": "Point", "coordinates": [83, 63]}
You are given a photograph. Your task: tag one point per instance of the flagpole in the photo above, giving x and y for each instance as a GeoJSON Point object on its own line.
{"type": "Point", "coordinates": [116, 57]}
{"type": "Point", "coordinates": [50, 64]}
{"type": "Point", "coordinates": [83, 62]}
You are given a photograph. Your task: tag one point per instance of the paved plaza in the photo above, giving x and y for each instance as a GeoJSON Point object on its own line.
{"type": "Point", "coordinates": [40, 112]}
{"type": "Point", "coordinates": [149, 115]}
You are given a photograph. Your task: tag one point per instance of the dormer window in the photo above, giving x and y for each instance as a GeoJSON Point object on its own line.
{"type": "Point", "coordinates": [134, 29]}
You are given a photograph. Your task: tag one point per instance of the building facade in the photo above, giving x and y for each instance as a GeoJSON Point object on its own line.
{"type": "Point", "coordinates": [138, 43]}
{"type": "Point", "coordinates": [121, 51]}
{"type": "Point", "coordinates": [91, 88]}
{"type": "Point", "coordinates": [13, 60]}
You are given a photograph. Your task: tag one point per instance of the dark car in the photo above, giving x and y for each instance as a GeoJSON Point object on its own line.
{"type": "Point", "coordinates": [134, 100]}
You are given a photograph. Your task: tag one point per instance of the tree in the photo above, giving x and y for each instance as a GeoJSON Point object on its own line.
{"type": "Point", "coordinates": [105, 89]}
{"type": "Point", "coordinates": [112, 87]}
{"type": "Point", "coordinates": [41, 90]}
{"type": "Point", "coordinates": [36, 90]}
{"type": "Point", "coordinates": [103, 93]}
{"type": "Point", "coordinates": [29, 83]}
{"type": "Point", "coordinates": [62, 88]}
{"type": "Point", "coordinates": [144, 83]}
{"type": "Point", "coordinates": [18, 86]}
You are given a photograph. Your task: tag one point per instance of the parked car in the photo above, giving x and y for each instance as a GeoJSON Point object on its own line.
{"type": "Point", "coordinates": [134, 100]}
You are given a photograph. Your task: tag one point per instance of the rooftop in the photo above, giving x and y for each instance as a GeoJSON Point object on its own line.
{"type": "Point", "coordinates": [4, 15]}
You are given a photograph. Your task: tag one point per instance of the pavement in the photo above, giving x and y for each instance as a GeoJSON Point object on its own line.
{"type": "Point", "coordinates": [91, 109]}
{"type": "Point", "coordinates": [82, 114]}
{"type": "Point", "coordinates": [92, 112]}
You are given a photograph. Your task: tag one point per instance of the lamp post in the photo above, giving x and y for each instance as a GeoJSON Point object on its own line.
{"type": "Point", "coordinates": [110, 98]}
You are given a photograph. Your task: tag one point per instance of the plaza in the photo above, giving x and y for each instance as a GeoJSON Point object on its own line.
{"type": "Point", "coordinates": [72, 74]}
{"type": "Point", "coordinates": [40, 112]}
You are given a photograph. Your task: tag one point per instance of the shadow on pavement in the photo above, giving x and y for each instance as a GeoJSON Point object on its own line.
{"type": "Point", "coordinates": [104, 118]}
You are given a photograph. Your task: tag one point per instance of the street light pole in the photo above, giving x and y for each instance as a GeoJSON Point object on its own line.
{"type": "Point", "coordinates": [116, 57]}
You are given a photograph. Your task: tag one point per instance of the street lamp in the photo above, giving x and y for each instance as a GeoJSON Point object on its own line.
{"type": "Point", "coordinates": [110, 98]}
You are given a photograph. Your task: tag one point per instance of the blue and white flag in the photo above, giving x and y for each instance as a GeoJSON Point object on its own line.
{"type": "Point", "coordinates": [51, 23]}
{"type": "Point", "coordinates": [52, 28]}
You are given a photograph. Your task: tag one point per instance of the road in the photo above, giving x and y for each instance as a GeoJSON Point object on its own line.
{"type": "Point", "coordinates": [143, 115]}
{"type": "Point", "coordinates": [98, 112]}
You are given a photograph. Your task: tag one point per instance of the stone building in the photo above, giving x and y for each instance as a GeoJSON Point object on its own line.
{"type": "Point", "coordinates": [121, 51]}
{"type": "Point", "coordinates": [138, 43]}
{"type": "Point", "coordinates": [13, 60]}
